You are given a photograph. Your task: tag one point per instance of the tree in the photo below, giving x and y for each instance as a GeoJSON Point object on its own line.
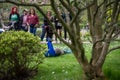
{"type": "Point", "coordinates": [102, 31]}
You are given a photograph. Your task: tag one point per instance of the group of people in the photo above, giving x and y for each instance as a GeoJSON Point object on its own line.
{"type": "Point", "coordinates": [27, 21]}
{"type": "Point", "coordinates": [47, 29]}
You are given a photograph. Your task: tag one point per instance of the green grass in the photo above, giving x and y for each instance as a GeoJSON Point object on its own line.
{"type": "Point", "coordinates": [66, 67]}
{"type": "Point", "coordinates": [112, 66]}
{"type": "Point", "coordinates": [59, 68]}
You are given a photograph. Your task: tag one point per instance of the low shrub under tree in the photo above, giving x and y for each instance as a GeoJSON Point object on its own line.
{"type": "Point", "coordinates": [20, 55]}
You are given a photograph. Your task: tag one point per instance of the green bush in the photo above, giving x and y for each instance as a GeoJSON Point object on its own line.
{"type": "Point", "coordinates": [20, 55]}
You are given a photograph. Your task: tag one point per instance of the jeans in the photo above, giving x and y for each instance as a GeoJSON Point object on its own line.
{"type": "Point", "coordinates": [33, 29]}
{"type": "Point", "coordinates": [43, 32]}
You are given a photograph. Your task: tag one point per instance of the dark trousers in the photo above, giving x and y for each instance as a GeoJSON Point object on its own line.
{"type": "Point", "coordinates": [49, 33]}
{"type": "Point", "coordinates": [65, 34]}
{"type": "Point", "coordinates": [43, 32]}
{"type": "Point", "coordinates": [24, 28]}
{"type": "Point", "coordinates": [33, 29]}
{"type": "Point", "coordinates": [14, 26]}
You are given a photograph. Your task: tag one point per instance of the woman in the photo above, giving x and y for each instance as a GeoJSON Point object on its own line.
{"type": "Point", "coordinates": [32, 21]}
{"type": "Point", "coordinates": [58, 27]}
{"type": "Point", "coordinates": [23, 20]}
{"type": "Point", "coordinates": [46, 27]}
{"type": "Point", "coordinates": [14, 18]}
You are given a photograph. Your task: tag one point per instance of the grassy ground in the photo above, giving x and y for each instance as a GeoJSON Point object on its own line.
{"type": "Point", "coordinates": [66, 67]}
{"type": "Point", "coordinates": [112, 66]}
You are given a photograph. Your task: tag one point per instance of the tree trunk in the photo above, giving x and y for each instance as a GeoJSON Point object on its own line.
{"type": "Point", "coordinates": [94, 74]}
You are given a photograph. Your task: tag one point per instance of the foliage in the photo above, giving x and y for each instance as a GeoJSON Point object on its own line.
{"type": "Point", "coordinates": [20, 55]}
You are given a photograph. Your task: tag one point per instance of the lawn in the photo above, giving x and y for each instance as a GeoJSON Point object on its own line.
{"type": "Point", "coordinates": [66, 67]}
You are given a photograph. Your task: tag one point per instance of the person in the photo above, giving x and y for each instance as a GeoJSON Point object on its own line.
{"type": "Point", "coordinates": [87, 26]}
{"type": "Point", "coordinates": [14, 18]}
{"type": "Point", "coordinates": [23, 20]}
{"type": "Point", "coordinates": [58, 26]}
{"type": "Point", "coordinates": [32, 21]}
{"type": "Point", "coordinates": [43, 32]}
{"type": "Point", "coordinates": [64, 16]}
{"type": "Point", "coordinates": [51, 51]}
{"type": "Point", "coordinates": [46, 28]}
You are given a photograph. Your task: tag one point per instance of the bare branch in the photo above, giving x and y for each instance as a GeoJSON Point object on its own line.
{"type": "Point", "coordinates": [115, 8]}
{"type": "Point", "coordinates": [110, 4]}
{"type": "Point", "coordinates": [99, 6]}
{"type": "Point", "coordinates": [78, 12]}
{"type": "Point", "coordinates": [84, 8]}
{"type": "Point", "coordinates": [112, 49]}
{"type": "Point", "coordinates": [23, 4]}
{"type": "Point", "coordinates": [117, 13]}
{"type": "Point", "coordinates": [116, 34]}
{"type": "Point", "coordinates": [68, 1]}
{"type": "Point", "coordinates": [67, 7]}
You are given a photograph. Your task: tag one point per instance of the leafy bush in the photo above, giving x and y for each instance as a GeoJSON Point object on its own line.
{"type": "Point", "coordinates": [20, 55]}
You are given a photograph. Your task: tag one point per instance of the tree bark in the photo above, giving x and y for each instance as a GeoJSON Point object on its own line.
{"type": "Point", "coordinates": [94, 74]}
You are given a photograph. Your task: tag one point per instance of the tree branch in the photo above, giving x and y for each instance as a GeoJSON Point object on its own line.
{"type": "Point", "coordinates": [116, 34]}
{"type": "Point", "coordinates": [115, 8]}
{"type": "Point", "coordinates": [23, 4]}
{"type": "Point", "coordinates": [62, 21]}
{"type": "Point", "coordinates": [78, 12]}
{"type": "Point", "coordinates": [112, 49]}
{"type": "Point", "coordinates": [99, 6]}
{"type": "Point", "coordinates": [67, 7]}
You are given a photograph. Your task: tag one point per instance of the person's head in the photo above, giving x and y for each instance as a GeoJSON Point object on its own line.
{"type": "Point", "coordinates": [25, 11]}
{"type": "Point", "coordinates": [49, 13]}
{"type": "Point", "coordinates": [32, 11]}
{"type": "Point", "coordinates": [14, 10]}
{"type": "Point", "coordinates": [59, 51]}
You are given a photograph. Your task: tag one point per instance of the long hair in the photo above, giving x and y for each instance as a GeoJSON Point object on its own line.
{"type": "Point", "coordinates": [49, 12]}
{"type": "Point", "coordinates": [12, 10]}
{"type": "Point", "coordinates": [33, 10]}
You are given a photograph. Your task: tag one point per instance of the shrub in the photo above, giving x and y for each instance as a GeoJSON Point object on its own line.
{"type": "Point", "coordinates": [20, 55]}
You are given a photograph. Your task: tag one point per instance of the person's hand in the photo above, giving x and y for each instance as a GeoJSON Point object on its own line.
{"type": "Point", "coordinates": [37, 25]}
{"type": "Point", "coordinates": [45, 27]}
{"type": "Point", "coordinates": [28, 24]}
